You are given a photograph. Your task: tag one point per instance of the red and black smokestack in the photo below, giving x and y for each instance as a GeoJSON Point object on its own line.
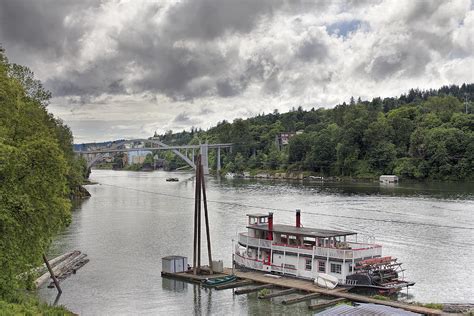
{"type": "Point", "coordinates": [298, 218]}
{"type": "Point", "coordinates": [270, 226]}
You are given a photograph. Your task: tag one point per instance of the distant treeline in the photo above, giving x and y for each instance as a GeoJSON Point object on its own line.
{"type": "Point", "coordinates": [39, 174]}
{"type": "Point", "coordinates": [424, 134]}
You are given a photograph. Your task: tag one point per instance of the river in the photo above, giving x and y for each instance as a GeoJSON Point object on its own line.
{"type": "Point", "coordinates": [133, 219]}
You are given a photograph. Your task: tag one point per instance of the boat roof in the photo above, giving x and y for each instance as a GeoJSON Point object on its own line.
{"type": "Point", "coordinates": [258, 215]}
{"type": "Point", "coordinates": [303, 231]}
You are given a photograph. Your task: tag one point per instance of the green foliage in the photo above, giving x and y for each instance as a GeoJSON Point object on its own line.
{"type": "Point", "coordinates": [381, 298]}
{"type": "Point", "coordinates": [27, 305]}
{"type": "Point", "coordinates": [38, 175]}
{"type": "Point", "coordinates": [419, 135]}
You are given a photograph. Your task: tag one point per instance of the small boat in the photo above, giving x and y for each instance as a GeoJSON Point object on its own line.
{"type": "Point", "coordinates": [218, 281]}
{"type": "Point", "coordinates": [326, 281]}
{"type": "Point", "coordinates": [172, 179]}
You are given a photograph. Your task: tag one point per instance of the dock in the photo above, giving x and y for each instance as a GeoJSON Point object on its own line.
{"type": "Point", "coordinates": [291, 285]}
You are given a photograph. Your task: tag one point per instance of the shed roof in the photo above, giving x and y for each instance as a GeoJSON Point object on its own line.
{"type": "Point", "coordinates": [366, 310]}
{"type": "Point", "coordinates": [173, 257]}
{"type": "Point", "coordinates": [303, 231]}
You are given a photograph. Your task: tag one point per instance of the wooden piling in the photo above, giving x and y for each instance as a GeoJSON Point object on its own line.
{"type": "Point", "coordinates": [300, 299]}
{"type": "Point", "coordinates": [196, 243]}
{"type": "Point", "coordinates": [280, 293]}
{"type": "Point", "coordinates": [198, 169]}
{"type": "Point", "coordinates": [253, 289]}
{"type": "Point", "coordinates": [326, 303]}
{"type": "Point", "coordinates": [233, 285]}
{"type": "Point", "coordinates": [206, 217]}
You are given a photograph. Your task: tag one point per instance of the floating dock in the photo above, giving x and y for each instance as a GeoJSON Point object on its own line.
{"type": "Point", "coordinates": [292, 285]}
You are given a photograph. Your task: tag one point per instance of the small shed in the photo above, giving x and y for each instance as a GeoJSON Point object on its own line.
{"type": "Point", "coordinates": [388, 179]}
{"type": "Point", "coordinates": [174, 264]}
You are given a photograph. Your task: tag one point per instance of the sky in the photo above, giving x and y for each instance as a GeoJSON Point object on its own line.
{"type": "Point", "coordinates": [125, 69]}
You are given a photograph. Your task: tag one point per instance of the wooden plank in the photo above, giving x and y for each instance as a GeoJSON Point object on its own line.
{"type": "Point", "coordinates": [309, 286]}
{"type": "Point", "coordinates": [280, 293]}
{"type": "Point", "coordinates": [300, 299]}
{"type": "Point", "coordinates": [233, 285]}
{"type": "Point", "coordinates": [326, 303]}
{"type": "Point", "coordinates": [253, 289]}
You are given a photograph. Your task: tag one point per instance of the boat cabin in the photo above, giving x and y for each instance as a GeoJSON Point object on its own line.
{"type": "Point", "coordinates": [298, 250]}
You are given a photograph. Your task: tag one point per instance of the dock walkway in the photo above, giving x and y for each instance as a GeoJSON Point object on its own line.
{"type": "Point", "coordinates": [305, 285]}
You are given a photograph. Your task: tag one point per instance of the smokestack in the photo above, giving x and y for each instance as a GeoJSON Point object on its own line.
{"type": "Point", "coordinates": [298, 218]}
{"type": "Point", "coordinates": [270, 226]}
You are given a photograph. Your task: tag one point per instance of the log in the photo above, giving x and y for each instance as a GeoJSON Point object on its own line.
{"type": "Point", "coordinates": [253, 289]}
{"type": "Point", "coordinates": [233, 285]}
{"type": "Point", "coordinates": [280, 293]}
{"type": "Point", "coordinates": [326, 304]}
{"type": "Point", "coordinates": [300, 299]}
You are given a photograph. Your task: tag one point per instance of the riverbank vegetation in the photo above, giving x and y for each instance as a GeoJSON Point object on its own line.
{"type": "Point", "coordinates": [39, 175]}
{"type": "Point", "coordinates": [422, 135]}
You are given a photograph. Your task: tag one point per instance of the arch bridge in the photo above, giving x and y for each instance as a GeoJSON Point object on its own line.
{"type": "Point", "coordinates": [185, 152]}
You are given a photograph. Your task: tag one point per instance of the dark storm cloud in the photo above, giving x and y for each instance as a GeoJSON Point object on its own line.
{"type": "Point", "coordinates": [182, 118]}
{"type": "Point", "coordinates": [312, 49]}
{"type": "Point", "coordinates": [407, 60]}
{"type": "Point", "coordinates": [182, 50]}
{"type": "Point", "coordinates": [40, 25]}
{"type": "Point", "coordinates": [208, 19]}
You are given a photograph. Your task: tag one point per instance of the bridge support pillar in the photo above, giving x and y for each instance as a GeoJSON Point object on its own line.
{"type": "Point", "coordinates": [218, 159]}
{"type": "Point", "coordinates": [204, 158]}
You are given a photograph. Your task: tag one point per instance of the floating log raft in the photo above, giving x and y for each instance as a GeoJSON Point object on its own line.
{"type": "Point", "coordinates": [63, 266]}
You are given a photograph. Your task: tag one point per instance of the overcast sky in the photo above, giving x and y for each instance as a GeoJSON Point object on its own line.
{"type": "Point", "coordinates": [123, 69]}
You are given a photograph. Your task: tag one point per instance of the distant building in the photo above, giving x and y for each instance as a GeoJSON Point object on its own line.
{"type": "Point", "coordinates": [388, 179]}
{"type": "Point", "coordinates": [137, 157]}
{"type": "Point", "coordinates": [282, 139]}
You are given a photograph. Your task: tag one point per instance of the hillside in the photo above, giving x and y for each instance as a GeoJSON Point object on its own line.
{"type": "Point", "coordinates": [418, 135]}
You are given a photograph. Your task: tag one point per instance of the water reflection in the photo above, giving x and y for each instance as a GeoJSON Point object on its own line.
{"type": "Point", "coordinates": [174, 285]}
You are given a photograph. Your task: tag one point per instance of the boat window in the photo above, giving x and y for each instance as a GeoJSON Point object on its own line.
{"type": "Point", "coordinates": [321, 266]}
{"type": "Point", "coordinates": [308, 264]}
{"type": "Point", "coordinates": [335, 268]}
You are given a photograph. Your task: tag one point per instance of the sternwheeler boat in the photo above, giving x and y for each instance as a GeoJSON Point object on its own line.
{"type": "Point", "coordinates": [329, 257]}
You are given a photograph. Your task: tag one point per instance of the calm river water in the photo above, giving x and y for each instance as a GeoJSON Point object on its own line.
{"type": "Point", "coordinates": [133, 219]}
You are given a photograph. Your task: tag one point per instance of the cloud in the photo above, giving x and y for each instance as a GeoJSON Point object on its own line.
{"type": "Point", "coordinates": [171, 65]}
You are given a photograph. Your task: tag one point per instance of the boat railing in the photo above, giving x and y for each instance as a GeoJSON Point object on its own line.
{"type": "Point", "coordinates": [353, 251]}
{"type": "Point", "coordinates": [255, 242]}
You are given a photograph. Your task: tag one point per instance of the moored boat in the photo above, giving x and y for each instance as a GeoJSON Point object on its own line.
{"type": "Point", "coordinates": [172, 179]}
{"type": "Point", "coordinates": [329, 257]}
{"type": "Point", "coordinates": [221, 280]}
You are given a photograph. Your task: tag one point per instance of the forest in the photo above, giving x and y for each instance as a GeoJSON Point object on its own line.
{"type": "Point", "coordinates": [39, 176]}
{"type": "Point", "coordinates": [422, 135]}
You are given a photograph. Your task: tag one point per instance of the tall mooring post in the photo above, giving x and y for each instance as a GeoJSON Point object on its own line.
{"type": "Point", "coordinates": [218, 159]}
{"type": "Point", "coordinates": [200, 188]}
{"type": "Point", "coordinates": [204, 158]}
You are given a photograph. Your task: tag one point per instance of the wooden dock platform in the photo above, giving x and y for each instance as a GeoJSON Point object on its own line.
{"type": "Point", "coordinates": [308, 286]}
{"type": "Point", "coordinates": [293, 285]}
